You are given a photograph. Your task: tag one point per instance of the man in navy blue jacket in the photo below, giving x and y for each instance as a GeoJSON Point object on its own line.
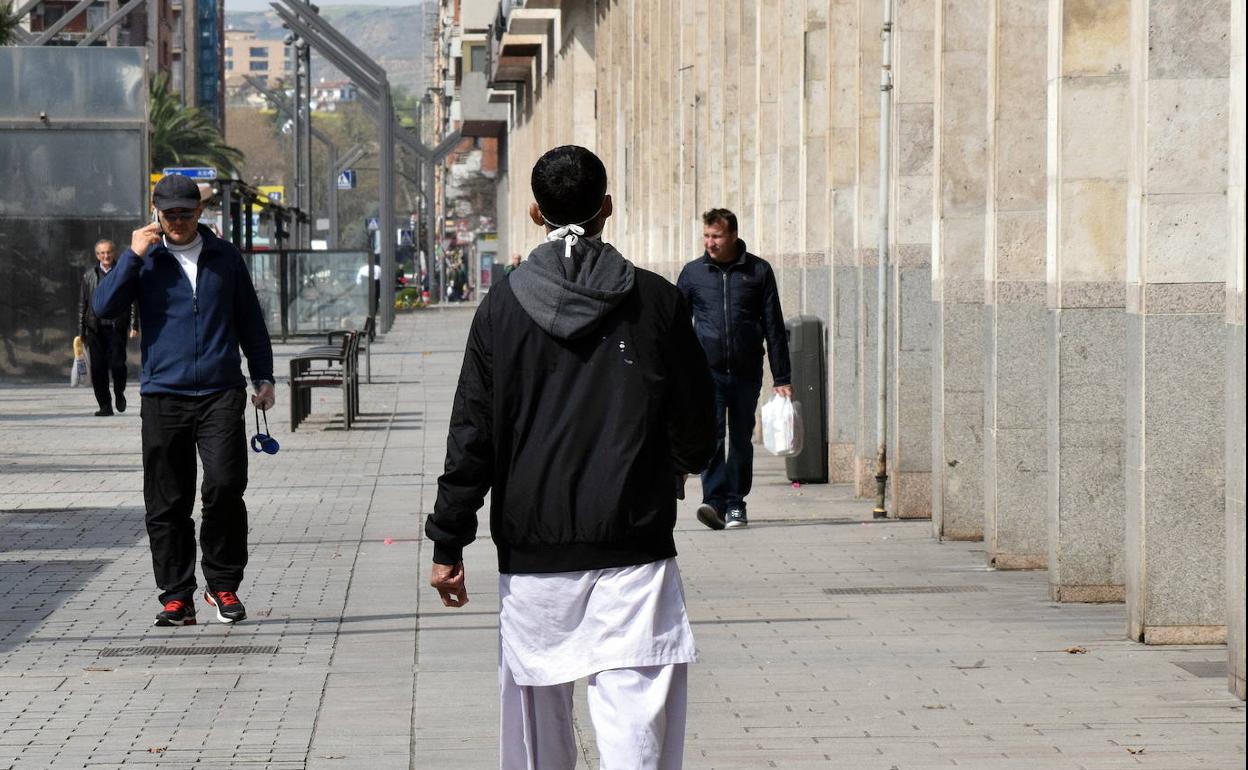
{"type": "Point", "coordinates": [736, 306]}
{"type": "Point", "coordinates": [197, 306]}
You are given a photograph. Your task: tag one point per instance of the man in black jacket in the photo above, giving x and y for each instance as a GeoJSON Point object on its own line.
{"type": "Point", "coordinates": [736, 306]}
{"type": "Point", "coordinates": [105, 338]}
{"type": "Point", "coordinates": [583, 400]}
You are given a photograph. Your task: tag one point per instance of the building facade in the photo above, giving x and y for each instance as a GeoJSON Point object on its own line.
{"type": "Point", "coordinates": [466, 184]}
{"type": "Point", "coordinates": [1065, 210]}
{"type": "Point", "coordinates": [246, 56]}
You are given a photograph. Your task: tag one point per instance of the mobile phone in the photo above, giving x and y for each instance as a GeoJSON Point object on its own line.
{"type": "Point", "coordinates": [156, 219]}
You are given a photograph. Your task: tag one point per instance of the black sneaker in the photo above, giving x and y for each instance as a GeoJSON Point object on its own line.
{"type": "Point", "coordinates": [103, 412]}
{"type": "Point", "coordinates": [121, 402]}
{"type": "Point", "coordinates": [709, 516]}
{"type": "Point", "coordinates": [735, 519]}
{"type": "Point", "coordinates": [229, 608]}
{"type": "Point", "coordinates": [176, 613]}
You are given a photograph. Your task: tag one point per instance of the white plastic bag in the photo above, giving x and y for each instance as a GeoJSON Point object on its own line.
{"type": "Point", "coordinates": [78, 373]}
{"type": "Point", "coordinates": [782, 426]}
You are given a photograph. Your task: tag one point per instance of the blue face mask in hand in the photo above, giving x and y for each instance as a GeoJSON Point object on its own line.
{"type": "Point", "coordinates": [263, 442]}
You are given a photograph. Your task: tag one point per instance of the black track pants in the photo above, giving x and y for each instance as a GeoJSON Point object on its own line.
{"type": "Point", "coordinates": [174, 428]}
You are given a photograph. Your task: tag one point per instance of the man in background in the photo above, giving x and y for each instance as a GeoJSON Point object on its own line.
{"type": "Point", "coordinates": [736, 307]}
{"type": "Point", "coordinates": [105, 338]}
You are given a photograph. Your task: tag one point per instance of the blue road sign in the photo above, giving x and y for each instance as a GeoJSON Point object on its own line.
{"type": "Point", "coordinates": [373, 223]}
{"type": "Point", "coordinates": [198, 173]}
{"type": "Point", "coordinates": [346, 180]}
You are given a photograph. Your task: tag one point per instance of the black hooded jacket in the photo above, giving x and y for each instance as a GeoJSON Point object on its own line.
{"type": "Point", "coordinates": [583, 395]}
{"type": "Point", "coordinates": [735, 308]}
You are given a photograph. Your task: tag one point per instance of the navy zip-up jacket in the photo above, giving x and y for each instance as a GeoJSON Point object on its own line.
{"type": "Point", "coordinates": [191, 337]}
{"type": "Point", "coordinates": [735, 308]}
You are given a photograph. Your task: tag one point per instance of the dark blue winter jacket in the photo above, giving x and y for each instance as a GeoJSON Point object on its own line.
{"type": "Point", "coordinates": [735, 308]}
{"type": "Point", "coordinates": [191, 337]}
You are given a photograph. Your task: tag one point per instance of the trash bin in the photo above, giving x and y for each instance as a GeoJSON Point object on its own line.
{"type": "Point", "coordinates": [806, 359]}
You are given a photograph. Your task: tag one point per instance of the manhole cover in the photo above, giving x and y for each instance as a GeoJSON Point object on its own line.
{"type": "Point", "coordinates": [892, 590]}
{"type": "Point", "coordinates": [121, 652]}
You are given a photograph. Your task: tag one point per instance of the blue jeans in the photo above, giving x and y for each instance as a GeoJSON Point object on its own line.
{"type": "Point", "coordinates": [727, 479]}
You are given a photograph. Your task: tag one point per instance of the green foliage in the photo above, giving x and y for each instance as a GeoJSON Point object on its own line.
{"type": "Point", "coordinates": [8, 24]}
{"type": "Point", "coordinates": [408, 299]}
{"type": "Point", "coordinates": [184, 136]}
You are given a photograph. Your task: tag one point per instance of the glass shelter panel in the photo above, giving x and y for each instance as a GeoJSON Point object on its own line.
{"type": "Point", "coordinates": [65, 173]}
{"type": "Point", "coordinates": [67, 85]}
{"type": "Point", "coordinates": [73, 161]}
{"type": "Point", "coordinates": [311, 292]}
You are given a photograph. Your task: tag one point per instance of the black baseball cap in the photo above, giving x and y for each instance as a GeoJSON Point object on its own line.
{"type": "Point", "coordinates": [175, 192]}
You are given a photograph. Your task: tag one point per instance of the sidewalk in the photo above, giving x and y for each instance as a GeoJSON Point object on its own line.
{"type": "Point", "coordinates": [826, 640]}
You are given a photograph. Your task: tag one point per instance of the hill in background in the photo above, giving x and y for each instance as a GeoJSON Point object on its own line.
{"type": "Point", "coordinates": [396, 36]}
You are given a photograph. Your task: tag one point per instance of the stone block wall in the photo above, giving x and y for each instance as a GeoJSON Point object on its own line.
{"type": "Point", "coordinates": [1065, 346]}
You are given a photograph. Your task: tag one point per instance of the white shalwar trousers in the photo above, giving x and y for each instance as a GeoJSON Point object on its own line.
{"type": "Point", "coordinates": [638, 716]}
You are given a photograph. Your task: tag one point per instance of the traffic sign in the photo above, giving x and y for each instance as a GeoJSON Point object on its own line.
{"type": "Point", "coordinates": [374, 224]}
{"type": "Point", "coordinates": [198, 173]}
{"type": "Point", "coordinates": [346, 180]}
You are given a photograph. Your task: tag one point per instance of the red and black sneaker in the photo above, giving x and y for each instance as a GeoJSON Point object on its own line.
{"type": "Point", "coordinates": [177, 613]}
{"type": "Point", "coordinates": [229, 608]}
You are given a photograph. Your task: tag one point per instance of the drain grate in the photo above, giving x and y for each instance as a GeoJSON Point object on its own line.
{"type": "Point", "coordinates": [893, 590]}
{"type": "Point", "coordinates": [121, 652]}
{"type": "Point", "coordinates": [1205, 669]}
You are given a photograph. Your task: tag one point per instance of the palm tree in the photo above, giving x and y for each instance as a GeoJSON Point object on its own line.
{"type": "Point", "coordinates": [185, 136]}
{"type": "Point", "coordinates": [8, 23]}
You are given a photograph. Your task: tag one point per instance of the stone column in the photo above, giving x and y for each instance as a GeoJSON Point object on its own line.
{"type": "Point", "coordinates": [579, 76]}
{"type": "Point", "coordinates": [1085, 260]}
{"type": "Point", "coordinates": [866, 238]}
{"type": "Point", "coordinates": [843, 313]}
{"type": "Point", "coordinates": [762, 234]}
{"type": "Point", "coordinates": [790, 139]}
{"type": "Point", "coordinates": [817, 225]}
{"type": "Point", "coordinates": [910, 325]}
{"type": "Point", "coordinates": [687, 78]}
{"type": "Point", "coordinates": [1235, 417]}
{"type": "Point", "coordinates": [1015, 316]}
{"type": "Point", "coordinates": [712, 15]}
{"type": "Point", "coordinates": [748, 108]}
{"type": "Point", "coordinates": [1176, 253]}
{"type": "Point", "coordinates": [959, 169]}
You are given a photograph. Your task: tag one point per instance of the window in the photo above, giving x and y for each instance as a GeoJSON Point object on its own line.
{"type": "Point", "coordinates": [258, 53]}
{"type": "Point", "coordinates": [229, 66]}
{"type": "Point", "coordinates": [259, 66]}
{"type": "Point", "coordinates": [477, 58]}
{"type": "Point", "coordinates": [229, 52]}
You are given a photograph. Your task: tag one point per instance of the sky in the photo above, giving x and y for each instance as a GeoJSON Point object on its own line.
{"type": "Point", "coordinates": [263, 5]}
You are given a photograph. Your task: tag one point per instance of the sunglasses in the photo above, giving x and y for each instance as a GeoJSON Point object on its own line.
{"type": "Point", "coordinates": [176, 216]}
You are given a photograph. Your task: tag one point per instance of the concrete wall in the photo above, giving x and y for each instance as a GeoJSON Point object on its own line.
{"type": "Point", "coordinates": [1085, 265]}
{"type": "Point", "coordinates": [910, 324]}
{"type": "Point", "coordinates": [1015, 319]}
{"type": "Point", "coordinates": [958, 198]}
{"type": "Point", "coordinates": [1176, 256]}
{"type": "Point", "coordinates": [1066, 369]}
{"type": "Point", "coordinates": [1235, 396]}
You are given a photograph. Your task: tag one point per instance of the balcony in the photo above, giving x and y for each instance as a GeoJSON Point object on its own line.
{"type": "Point", "coordinates": [524, 40]}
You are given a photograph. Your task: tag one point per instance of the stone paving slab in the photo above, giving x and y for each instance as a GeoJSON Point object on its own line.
{"type": "Point", "coordinates": [826, 640]}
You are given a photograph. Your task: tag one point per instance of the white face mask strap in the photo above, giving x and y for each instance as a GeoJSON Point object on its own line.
{"type": "Point", "coordinates": [569, 233]}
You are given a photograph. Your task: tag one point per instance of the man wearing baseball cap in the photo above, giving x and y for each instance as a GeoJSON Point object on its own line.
{"type": "Point", "coordinates": [197, 307]}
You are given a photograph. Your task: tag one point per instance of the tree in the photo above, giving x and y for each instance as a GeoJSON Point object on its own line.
{"type": "Point", "coordinates": [253, 133]}
{"type": "Point", "coordinates": [8, 24]}
{"type": "Point", "coordinates": [184, 136]}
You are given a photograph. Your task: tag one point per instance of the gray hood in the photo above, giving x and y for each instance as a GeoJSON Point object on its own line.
{"type": "Point", "coordinates": [568, 297]}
